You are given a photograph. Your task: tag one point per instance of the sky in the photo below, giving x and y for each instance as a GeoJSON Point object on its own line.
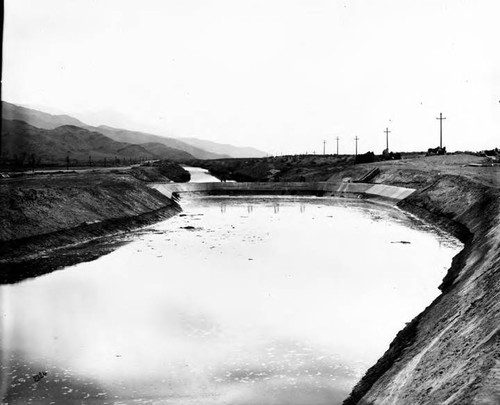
{"type": "Point", "coordinates": [278, 75]}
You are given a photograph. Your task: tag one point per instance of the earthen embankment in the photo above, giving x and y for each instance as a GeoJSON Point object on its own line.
{"type": "Point", "coordinates": [450, 353]}
{"type": "Point", "coordinates": [41, 213]}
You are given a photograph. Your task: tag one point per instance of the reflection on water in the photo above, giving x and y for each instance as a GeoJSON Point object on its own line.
{"type": "Point", "coordinates": [238, 301]}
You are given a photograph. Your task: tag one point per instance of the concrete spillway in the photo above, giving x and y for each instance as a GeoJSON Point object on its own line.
{"type": "Point", "coordinates": [376, 191]}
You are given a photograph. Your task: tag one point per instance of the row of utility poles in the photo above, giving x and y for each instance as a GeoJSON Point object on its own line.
{"type": "Point", "coordinates": [387, 132]}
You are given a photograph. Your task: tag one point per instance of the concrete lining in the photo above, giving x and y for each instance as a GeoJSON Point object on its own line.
{"type": "Point", "coordinates": [389, 193]}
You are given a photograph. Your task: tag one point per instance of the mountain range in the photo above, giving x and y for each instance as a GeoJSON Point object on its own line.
{"type": "Point", "coordinates": [224, 149]}
{"type": "Point", "coordinates": [125, 135]}
{"type": "Point", "coordinates": [21, 140]}
{"type": "Point", "coordinates": [55, 136]}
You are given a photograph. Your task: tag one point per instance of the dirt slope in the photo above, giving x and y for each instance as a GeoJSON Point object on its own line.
{"type": "Point", "coordinates": [449, 354]}
{"type": "Point", "coordinates": [42, 213]}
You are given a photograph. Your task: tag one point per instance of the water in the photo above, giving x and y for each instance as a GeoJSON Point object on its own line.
{"type": "Point", "coordinates": [242, 300]}
{"type": "Point", "coordinates": [199, 175]}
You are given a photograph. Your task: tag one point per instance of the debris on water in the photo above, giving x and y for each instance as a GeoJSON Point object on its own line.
{"type": "Point", "coordinates": [188, 227]}
{"type": "Point", "coordinates": [404, 242]}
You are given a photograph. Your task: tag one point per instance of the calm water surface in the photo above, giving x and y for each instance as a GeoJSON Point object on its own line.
{"type": "Point", "coordinates": [243, 300]}
{"type": "Point", "coordinates": [200, 175]}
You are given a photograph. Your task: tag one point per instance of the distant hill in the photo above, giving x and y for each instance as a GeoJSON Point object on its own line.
{"type": "Point", "coordinates": [178, 148]}
{"type": "Point", "coordinates": [225, 149]}
{"type": "Point", "coordinates": [53, 145]}
{"type": "Point", "coordinates": [36, 118]}
{"type": "Point", "coordinates": [164, 152]}
{"type": "Point", "coordinates": [124, 135]}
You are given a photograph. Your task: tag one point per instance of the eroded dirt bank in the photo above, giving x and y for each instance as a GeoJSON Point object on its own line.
{"type": "Point", "coordinates": [449, 354]}
{"type": "Point", "coordinates": [42, 213]}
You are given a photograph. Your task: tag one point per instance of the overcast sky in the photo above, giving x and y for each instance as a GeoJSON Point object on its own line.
{"type": "Point", "coordinates": [279, 75]}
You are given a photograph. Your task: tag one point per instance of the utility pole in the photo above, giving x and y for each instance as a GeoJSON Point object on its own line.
{"type": "Point", "coordinates": [356, 139]}
{"type": "Point", "coordinates": [387, 138]}
{"type": "Point", "coordinates": [440, 118]}
{"type": "Point", "coordinates": [337, 145]}
{"type": "Point", "coordinates": [324, 145]}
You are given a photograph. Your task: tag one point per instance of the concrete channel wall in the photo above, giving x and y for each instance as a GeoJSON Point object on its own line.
{"type": "Point", "coordinates": [375, 191]}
